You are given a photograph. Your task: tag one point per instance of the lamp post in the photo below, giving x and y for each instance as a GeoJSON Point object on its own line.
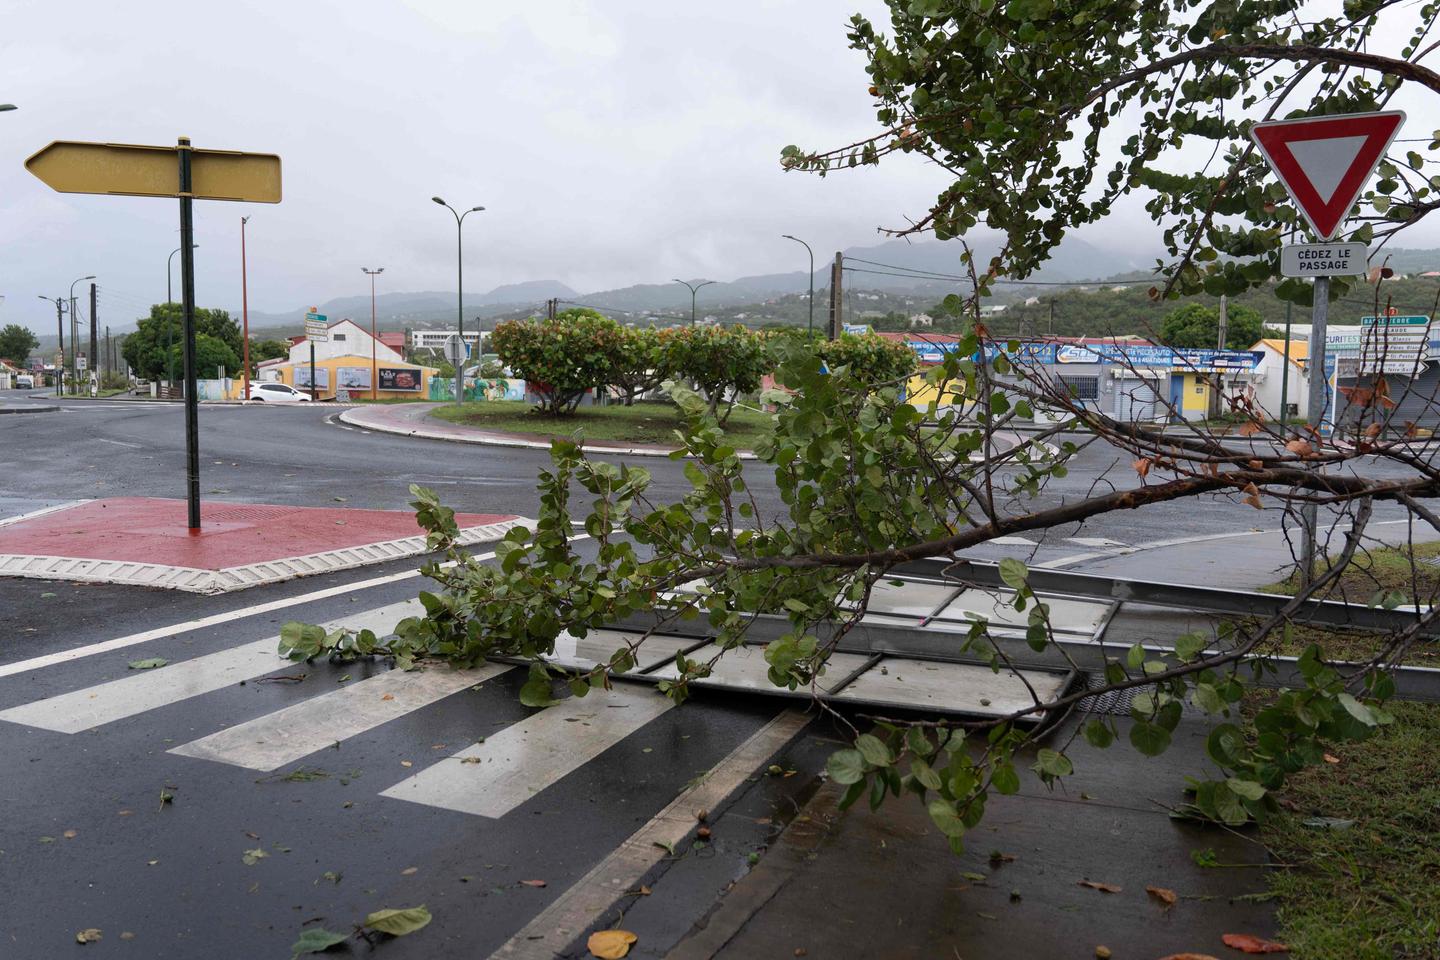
{"type": "Point", "coordinates": [75, 335]}
{"type": "Point", "coordinates": [460, 292]}
{"type": "Point", "coordinates": [169, 332]}
{"type": "Point", "coordinates": [244, 316]}
{"type": "Point", "coordinates": [60, 333]}
{"type": "Point", "coordinates": [811, 328]}
{"type": "Point", "coordinates": [374, 373]}
{"type": "Point", "coordinates": [692, 288]}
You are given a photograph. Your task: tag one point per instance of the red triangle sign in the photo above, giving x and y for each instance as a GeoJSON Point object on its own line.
{"type": "Point", "coordinates": [1324, 161]}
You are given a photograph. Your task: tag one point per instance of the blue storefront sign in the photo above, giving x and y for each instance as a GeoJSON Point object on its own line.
{"type": "Point", "coordinates": [1131, 355]}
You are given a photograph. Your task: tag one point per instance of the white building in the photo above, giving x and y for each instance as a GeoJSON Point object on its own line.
{"type": "Point", "coordinates": [436, 339]}
{"type": "Point", "coordinates": [1274, 375]}
{"type": "Point", "coordinates": [347, 339]}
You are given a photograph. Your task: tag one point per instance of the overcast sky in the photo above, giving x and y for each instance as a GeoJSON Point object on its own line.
{"type": "Point", "coordinates": [612, 141]}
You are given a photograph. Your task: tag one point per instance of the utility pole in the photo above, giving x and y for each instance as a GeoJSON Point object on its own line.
{"type": "Point", "coordinates": [374, 336]}
{"type": "Point", "coordinates": [1222, 335]}
{"type": "Point", "coordinates": [836, 319]}
{"type": "Point", "coordinates": [109, 352]}
{"type": "Point", "coordinates": [94, 335]}
{"type": "Point", "coordinates": [1050, 330]}
{"type": "Point", "coordinates": [550, 306]}
{"type": "Point", "coordinates": [60, 339]}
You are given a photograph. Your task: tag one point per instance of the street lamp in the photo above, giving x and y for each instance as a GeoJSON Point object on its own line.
{"type": "Point", "coordinates": [692, 288]}
{"type": "Point", "coordinates": [460, 293]}
{"type": "Point", "coordinates": [786, 236]}
{"type": "Point", "coordinates": [374, 374]}
{"type": "Point", "coordinates": [169, 263]}
{"type": "Point", "coordinates": [75, 335]}
{"type": "Point", "coordinates": [169, 331]}
{"type": "Point", "coordinates": [60, 335]}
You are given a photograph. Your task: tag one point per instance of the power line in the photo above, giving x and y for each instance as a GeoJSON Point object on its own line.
{"type": "Point", "coordinates": [912, 273]}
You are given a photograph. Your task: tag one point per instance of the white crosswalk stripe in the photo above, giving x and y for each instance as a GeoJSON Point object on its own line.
{"type": "Point", "coordinates": [1013, 541]}
{"type": "Point", "coordinates": [492, 778]}
{"type": "Point", "coordinates": [1095, 541]}
{"type": "Point", "coordinates": [269, 742]}
{"type": "Point", "coordinates": [117, 699]}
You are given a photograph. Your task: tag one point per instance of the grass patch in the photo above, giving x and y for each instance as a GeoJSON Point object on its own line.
{"type": "Point", "coordinates": [1371, 890]}
{"type": "Point", "coordinates": [1378, 570]}
{"type": "Point", "coordinates": [645, 422]}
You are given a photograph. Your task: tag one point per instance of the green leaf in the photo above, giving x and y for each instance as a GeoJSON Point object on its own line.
{"type": "Point", "coordinates": [1357, 709]}
{"type": "Point", "coordinates": [943, 813]}
{"type": "Point", "coordinates": [399, 922]}
{"type": "Point", "coordinates": [1005, 779]}
{"type": "Point", "coordinates": [873, 749]}
{"type": "Point", "coordinates": [536, 691]}
{"type": "Point", "coordinates": [1098, 733]}
{"type": "Point", "coordinates": [1149, 738]}
{"type": "Point", "coordinates": [317, 940]}
{"type": "Point", "coordinates": [1248, 789]}
{"type": "Point", "coordinates": [148, 664]}
{"type": "Point", "coordinates": [1053, 763]}
{"type": "Point", "coordinates": [1014, 573]}
{"type": "Point", "coordinates": [846, 766]}
{"type": "Point", "coordinates": [799, 606]}
{"type": "Point", "coordinates": [1190, 645]}
{"type": "Point", "coordinates": [923, 772]}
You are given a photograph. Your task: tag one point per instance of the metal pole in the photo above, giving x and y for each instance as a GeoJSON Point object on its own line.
{"type": "Point", "coordinates": [187, 298]}
{"type": "Point", "coordinates": [312, 371]}
{"type": "Point", "coordinates": [94, 338]}
{"type": "Point", "coordinates": [810, 328]}
{"type": "Point", "coordinates": [460, 308]}
{"type": "Point", "coordinates": [60, 363]}
{"type": "Point", "coordinates": [1285, 381]}
{"type": "Point", "coordinates": [244, 316]}
{"type": "Point", "coordinates": [1315, 414]}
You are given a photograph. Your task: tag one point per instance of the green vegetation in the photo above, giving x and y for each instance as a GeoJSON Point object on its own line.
{"type": "Point", "coordinates": [646, 422]}
{"type": "Point", "coordinates": [16, 342]}
{"type": "Point", "coordinates": [1372, 576]}
{"type": "Point", "coordinates": [157, 345]}
{"type": "Point", "coordinates": [1195, 325]}
{"type": "Point", "coordinates": [1367, 886]}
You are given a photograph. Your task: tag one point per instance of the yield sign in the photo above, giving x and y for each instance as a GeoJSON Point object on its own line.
{"type": "Point", "coordinates": [1324, 161]}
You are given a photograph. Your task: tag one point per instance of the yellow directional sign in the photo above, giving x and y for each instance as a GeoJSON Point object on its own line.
{"type": "Point", "coordinates": [71, 166]}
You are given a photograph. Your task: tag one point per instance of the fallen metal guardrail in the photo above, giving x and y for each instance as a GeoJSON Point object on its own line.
{"type": "Point", "coordinates": [1331, 613]}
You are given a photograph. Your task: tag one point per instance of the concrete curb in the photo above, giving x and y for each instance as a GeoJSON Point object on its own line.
{"type": "Point", "coordinates": [32, 409]}
{"type": "Point", "coordinates": [355, 418]}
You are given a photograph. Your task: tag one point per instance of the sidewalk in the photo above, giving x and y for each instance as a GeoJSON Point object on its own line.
{"type": "Point", "coordinates": [146, 542]}
{"type": "Point", "coordinates": [856, 884]}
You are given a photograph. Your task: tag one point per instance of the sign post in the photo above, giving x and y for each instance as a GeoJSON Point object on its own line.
{"type": "Point", "coordinates": [1324, 163]}
{"type": "Point", "coordinates": [316, 329]}
{"type": "Point", "coordinates": [186, 174]}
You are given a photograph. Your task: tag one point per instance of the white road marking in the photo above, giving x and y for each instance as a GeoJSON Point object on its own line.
{"type": "Point", "coordinates": [41, 512]}
{"type": "Point", "coordinates": [594, 894]}
{"type": "Point", "coordinates": [269, 742]}
{"type": "Point", "coordinates": [150, 689]}
{"type": "Point", "coordinates": [492, 778]}
{"type": "Point", "coordinates": [145, 636]}
{"type": "Point", "coordinates": [120, 443]}
{"type": "Point", "coordinates": [1096, 542]}
{"type": "Point", "coordinates": [1013, 541]}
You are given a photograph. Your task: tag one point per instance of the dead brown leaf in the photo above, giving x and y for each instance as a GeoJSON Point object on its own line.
{"type": "Point", "coordinates": [610, 944]}
{"type": "Point", "coordinates": [1164, 895]}
{"type": "Point", "coordinates": [409, 871]}
{"type": "Point", "coordinates": [1142, 466]}
{"type": "Point", "coordinates": [469, 759]}
{"type": "Point", "coordinates": [1252, 496]}
{"type": "Point", "coordinates": [70, 834]}
{"type": "Point", "coordinates": [1248, 429]}
{"type": "Point", "coordinates": [1373, 430]}
{"type": "Point", "coordinates": [88, 935]}
{"type": "Point", "coordinates": [1300, 447]}
{"type": "Point", "coordinates": [388, 696]}
{"type": "Point", "coordinates": [1331, 758]}
{"type": "Point", "coordinates": [1249, 943]}
{"type": "Point", "coordinates": [1102, 887]}
{"type": "Point", "coordinates": [534, 883]}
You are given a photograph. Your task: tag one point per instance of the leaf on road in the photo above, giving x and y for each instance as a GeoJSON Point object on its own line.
{"type": "Point", "coordinates": [92, 934]}
{"type": "Point", "coordinates": [253, 857]}
{"type": "Point", "coordinates": [317, 940]}
{"type": "Point", "coordinates": [469, 759]}
{"type": "Point", "coordinates": [1248, 429]}
{"type": "Point", "coordinates": [399, 922]}
{"type": "Point", "coordinates": [610, 944]}
{"type": "Point", "coordinates": [148, 664]}
{"type": "Point", "coordinates": [388, 696]}
{"type": "Point", "coordinates": [1300, 447]}
{"type": "Point", "coordinates": [533, 883]}
{"type": "Point", "coordinates": [1102, 887]}
{"type": "Point", "coordinates": [409, 871]}
{"type": "Point", "coordinates": [1164, 895]}
{"type": "Point", "coordinates": [1248, 943]}
{"type": "Point", "coordinates": [70, 834]}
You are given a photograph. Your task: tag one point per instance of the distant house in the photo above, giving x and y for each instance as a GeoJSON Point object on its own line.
{"type": "Point", "coordinates": [921, 320]}
{"type": "Point", "coordinates": [1273, 375]}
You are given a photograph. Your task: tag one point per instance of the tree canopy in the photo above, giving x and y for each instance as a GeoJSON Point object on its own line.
{"type": "Point", "coordinates": [16, 342]}
{"type": "Point", "coordinates": [1016, 100]}
{"type": "Point", "coordinates": [1196, 325]}
{"type": "Point", "coordinates": [156, 349]}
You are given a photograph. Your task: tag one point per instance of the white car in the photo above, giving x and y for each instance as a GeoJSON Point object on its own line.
{"type": "Point", "coordinates": [278, 393]}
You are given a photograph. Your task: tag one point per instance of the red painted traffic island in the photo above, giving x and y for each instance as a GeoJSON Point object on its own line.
{"type": "Point", "coordinates": [145, 541]}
